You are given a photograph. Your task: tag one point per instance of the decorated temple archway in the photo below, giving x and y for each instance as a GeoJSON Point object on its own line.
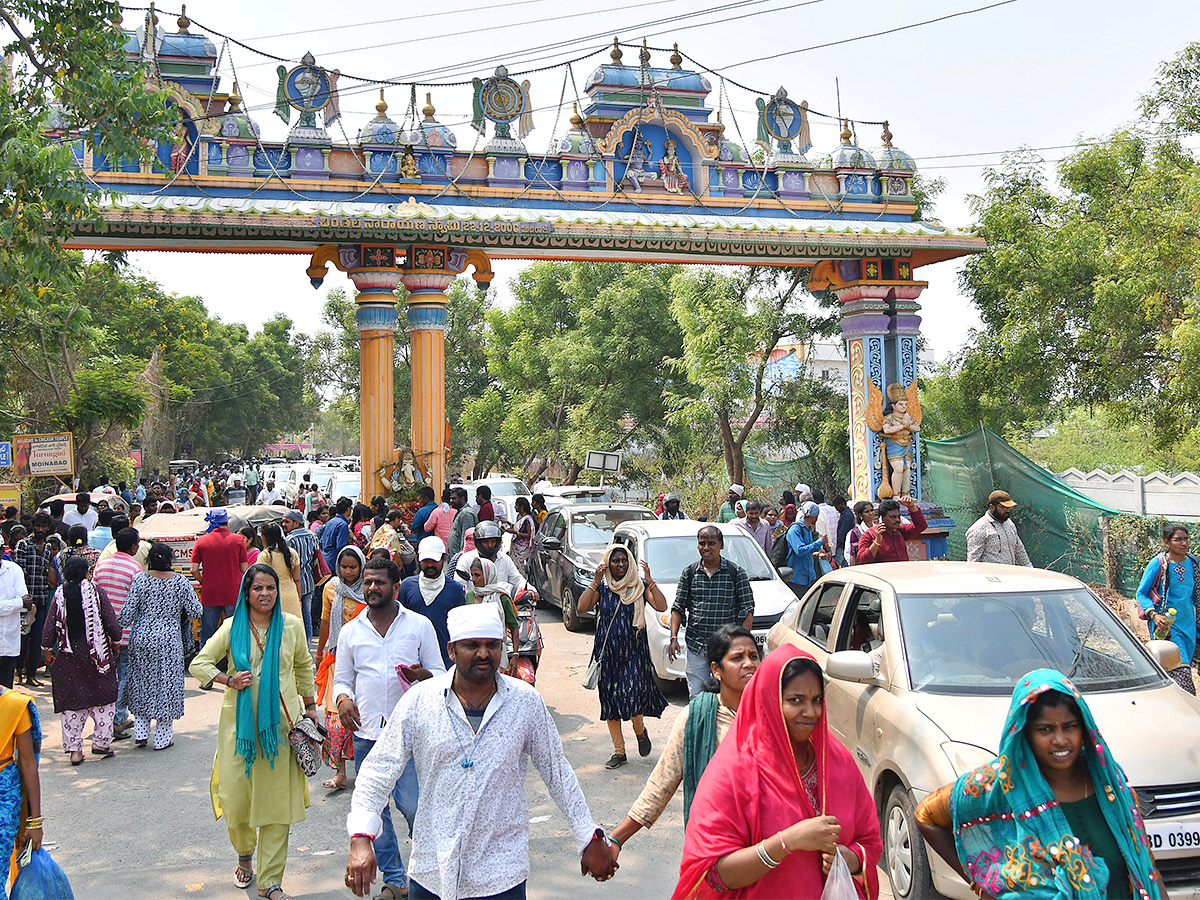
{"type": "Point", "coordinates": [646, 172]}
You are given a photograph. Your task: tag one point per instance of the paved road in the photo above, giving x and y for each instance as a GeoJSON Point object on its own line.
{"type": "Point", "coordinates": [140, 824]}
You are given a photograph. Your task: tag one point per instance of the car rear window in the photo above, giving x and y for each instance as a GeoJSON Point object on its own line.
{"type": "Point", "coordinates": [983, 643]}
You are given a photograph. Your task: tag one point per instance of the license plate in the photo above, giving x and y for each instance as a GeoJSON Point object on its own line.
{"type": "Point", "coordinates": [761, 641]}
{"type": "Point", "coordinates": [1173, 835]}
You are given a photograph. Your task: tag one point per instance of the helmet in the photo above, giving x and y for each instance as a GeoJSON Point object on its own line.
{"type": "Point", "coordinates": [671, 498]}
{"type": "Point", "coordinates": [486, 529]}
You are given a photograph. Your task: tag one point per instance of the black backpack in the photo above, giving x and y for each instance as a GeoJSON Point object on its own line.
{"type": "Point", "coordinates": [780, 551]}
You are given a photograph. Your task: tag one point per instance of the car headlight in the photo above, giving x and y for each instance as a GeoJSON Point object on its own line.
{"type": "Point", "coordinates": [965, 757]}
{"type": "Point", "coordinates": [584, 575]}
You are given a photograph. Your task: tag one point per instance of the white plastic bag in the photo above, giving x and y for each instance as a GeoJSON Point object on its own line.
{"type": "Point", "coordinates": [840, 883]}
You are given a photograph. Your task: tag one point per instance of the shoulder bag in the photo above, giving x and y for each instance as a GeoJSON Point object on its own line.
{"type": "Point", "coordinates": [591, 677]}
{"type": "Point", "coordinates": [304, 737]}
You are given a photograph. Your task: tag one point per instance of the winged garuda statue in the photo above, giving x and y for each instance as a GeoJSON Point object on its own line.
{"type": "Point", "coordinates": [897, 428]}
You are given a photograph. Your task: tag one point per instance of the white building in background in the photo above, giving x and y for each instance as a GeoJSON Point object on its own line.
{"type": "Point", "coordinates": [825, 361]}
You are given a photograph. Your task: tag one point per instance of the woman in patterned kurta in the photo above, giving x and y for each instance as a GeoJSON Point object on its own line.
{"type": "Point", "coordinates": [627, 686]}
{"type": "Point", "coordinates": [257, 786]}
{"type": "Point", "coordinates": [154, 683]}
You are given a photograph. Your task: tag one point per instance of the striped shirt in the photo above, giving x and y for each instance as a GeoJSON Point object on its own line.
{"type": "Point", "coordinates": [305, 544]}
{"type": "Point", "coordinates": [115, 574]}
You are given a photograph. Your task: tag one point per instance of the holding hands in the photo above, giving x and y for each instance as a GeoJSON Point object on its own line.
{"type": "Point", "coordinates": [599, 859]}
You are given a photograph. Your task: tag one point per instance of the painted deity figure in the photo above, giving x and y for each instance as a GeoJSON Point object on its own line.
{"type": "Point", "coordinates": [898, 429]}
{"type": "Point", "coordinates": [674, 179]}
{"type": "Point", "coordinates": [408, 164]}
{"type": "Point", "coordinates": [635, 163]}
{"type": "Point", "coordinates": [181, 149]}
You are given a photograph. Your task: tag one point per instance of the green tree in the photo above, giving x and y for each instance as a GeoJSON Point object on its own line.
{"type": "Point", "coordinates": [731, 323]}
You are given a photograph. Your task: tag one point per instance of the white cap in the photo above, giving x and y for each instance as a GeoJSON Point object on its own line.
{"type": "Point", "coordinates": [737, 489]}
{"type": "Point", "coordinates": [431, 548]}
{"type": "Point", "coordinates": [802, 488]}
{"type": "Point", "coordinates": [475, 620]}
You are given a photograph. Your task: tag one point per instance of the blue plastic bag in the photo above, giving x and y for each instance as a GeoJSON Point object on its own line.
{"type": "Point", "coordinates": [42, 879]}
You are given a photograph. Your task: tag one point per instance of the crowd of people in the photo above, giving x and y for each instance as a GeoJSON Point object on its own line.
{"type": "Point", "coordinates": [414, 629]}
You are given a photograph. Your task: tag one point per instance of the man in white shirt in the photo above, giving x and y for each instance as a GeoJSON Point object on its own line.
{"type": "Point", "coordinates": [13, 599]}
{"type": "Point", "coordinates": [373, 650]}
{"type": "Point", "coordinates": [270, 495]}
{"type": "Point", "coordinates": [470, 733]}
{"type": "Point", "coordinates": [993, 538]}
{"type": "Point", "coordinates": [81, 513]}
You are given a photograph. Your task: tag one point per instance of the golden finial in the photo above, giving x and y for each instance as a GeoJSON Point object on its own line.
{"type": "Point", "coordinates": [235, 98]}
{"type": "Point", "coordinates": [576, 121]}
{"type": "Point", "coordinates": [887, 134]}
{"type": "Point", "coordinates": [644, 54]}
{"type": "Point", "coordinates": [381, 106]}
{"type": "Point", "coordinates": [183, 21]}
{"type": "Point", "coordinates": [676, 59]}
{"type": "Point", "coordinates": [615, 54]}
{"type": "Point", "coordinates": [846, 133]}
{"type": "Point", "coordinates": [153, 15]}
{"type": "Point", "coordinates": [427, 110]}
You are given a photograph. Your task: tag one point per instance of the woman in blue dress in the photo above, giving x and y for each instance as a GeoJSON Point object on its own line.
{"type": "Point", "coordinates": [627, 687]}
{"type": "Point", "coordinates": [1170, 582]}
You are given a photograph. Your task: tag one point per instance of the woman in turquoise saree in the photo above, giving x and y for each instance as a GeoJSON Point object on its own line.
{"type": "Point", "coordinates": [1052, 816]}
{"type": "Point", "coordinates": [20, 788]}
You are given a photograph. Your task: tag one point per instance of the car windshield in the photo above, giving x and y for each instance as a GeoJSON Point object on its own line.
{"type": "Point", "coordinates": [345, 487]}
{"type": "Point", "coordinates": [594, 527]}
{"type": "Point", "coordinates": [669, 556]}
{"type": "Point", "coordinates": [508, 489]}
{"type": "Point", "coordinates": [983, 643]}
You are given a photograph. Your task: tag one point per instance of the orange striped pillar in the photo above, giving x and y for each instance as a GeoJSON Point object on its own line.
{"type": "Point", "coordinates": [376, 318]}
{"type": "Point", "coordinates": [427, 336]}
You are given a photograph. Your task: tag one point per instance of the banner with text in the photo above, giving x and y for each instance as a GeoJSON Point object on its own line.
{"type": "Point", "coordinates": [43, 454]}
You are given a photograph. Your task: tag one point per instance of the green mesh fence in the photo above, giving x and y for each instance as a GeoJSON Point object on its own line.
{"type": "Point", "coordinates": [774, 475]}
{"type": "Point", "coordinates": [1059, 526]}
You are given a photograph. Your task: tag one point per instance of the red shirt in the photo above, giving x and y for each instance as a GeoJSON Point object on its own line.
{"type": "Point", "coordinates": [895, 545]}
{"type": "Point", "coordinates": [220, 554]}
{"type": "Point", "coordinates": [487, 512]}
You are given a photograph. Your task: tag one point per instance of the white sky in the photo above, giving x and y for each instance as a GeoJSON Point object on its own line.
{"type": "Point", "coordinates": [1039, 73]}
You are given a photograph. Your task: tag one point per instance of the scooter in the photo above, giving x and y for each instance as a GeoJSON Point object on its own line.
{"type": "Point", "coordinates": [524, 662]}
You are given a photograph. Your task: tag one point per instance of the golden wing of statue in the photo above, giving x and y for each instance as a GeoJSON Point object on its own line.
{"type": "Point", "coordinates": [914, 402]}
{"type": "Point", "coordinates": [874, 407]}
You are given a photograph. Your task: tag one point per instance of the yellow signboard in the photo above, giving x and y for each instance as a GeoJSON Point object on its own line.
{"type": "Point", "coordinates": [43, 454]}
{"type": "Point", "coordinates": [10, 495]}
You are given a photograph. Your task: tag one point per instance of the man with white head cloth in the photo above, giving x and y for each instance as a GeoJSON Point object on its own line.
{"type": "Point", "coordinates": [728, 512]}
{"type": "Point", "coordinates": [470, 733]}
{"type": "Point", "coordinates": [431, 593]}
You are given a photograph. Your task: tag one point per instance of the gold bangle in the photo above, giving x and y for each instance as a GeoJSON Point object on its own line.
{"type": "Point", "coordinates": [35, 822]}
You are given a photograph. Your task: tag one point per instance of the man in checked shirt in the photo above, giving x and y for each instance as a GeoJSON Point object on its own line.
{"type": "Point", "coordinates": [712, 592]}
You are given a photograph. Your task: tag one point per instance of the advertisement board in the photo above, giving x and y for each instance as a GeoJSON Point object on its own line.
{"type": "Point", "coordinates": [136, 456]}
{"type": "Point", "coordinates": [10, 495]}
{"type": "Point", "coordinates": [43, 454]}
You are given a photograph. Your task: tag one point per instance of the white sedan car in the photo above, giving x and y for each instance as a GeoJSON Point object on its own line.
{"type": "Point", "coordinates": [922, 659]}
{"type": "Point", "coordinates": [669, 547]}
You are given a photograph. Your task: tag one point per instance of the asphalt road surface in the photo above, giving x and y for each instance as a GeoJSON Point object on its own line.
{"type": "Point", "coordinates": [141, 824]}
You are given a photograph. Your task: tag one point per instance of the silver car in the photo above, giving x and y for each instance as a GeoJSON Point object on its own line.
{"type": "Point", "coordinates": [669, 547]}
{"type": "Point", "coordinates": [921, 660]}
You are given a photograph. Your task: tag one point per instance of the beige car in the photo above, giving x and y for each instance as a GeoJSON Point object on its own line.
{"type": "Point", "coordinates": [921, 660]}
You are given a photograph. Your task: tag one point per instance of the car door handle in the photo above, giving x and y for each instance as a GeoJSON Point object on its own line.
{"type": "Point", "coordinates": [862, 755]}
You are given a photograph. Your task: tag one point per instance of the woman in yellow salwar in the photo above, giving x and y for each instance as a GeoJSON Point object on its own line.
{"type": "Point", "coordinates": [256, 781]}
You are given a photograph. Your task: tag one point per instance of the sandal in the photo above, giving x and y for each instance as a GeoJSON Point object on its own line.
{"type": "Point", "coordinates": [76, 757]}
{"type": "Point", "coordinates": [243, 875]}
{"type": "Point", "coordinates": [394, 892]}
{"type": "Point", "coordinates": [274, 893]}
{"type": "Point", "coordinates": [104, 754]}
{"type": "Point", "coordinates": [337, 783]}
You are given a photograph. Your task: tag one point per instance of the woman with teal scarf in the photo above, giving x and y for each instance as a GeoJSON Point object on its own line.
{"type": "Point", "coordinates": [256, 781]}
{"type": "Point", "coordinates": [1052, 816]}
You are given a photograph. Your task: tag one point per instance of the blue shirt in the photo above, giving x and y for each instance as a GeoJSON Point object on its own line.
{"type": "Point", "coordinates": [802, 543]}
{"type": "Point", "coordinates": [100, 537]}
{"type": "Point", "coordinates": [437, 612]}
{"type": "Point", "coordinates": [334, 537]}
{"type": "Point", "coordinates": [1180, 594]}
{"type": "Point", "coordinates": [418, 522]}
{"type": "Point", "coordinates": [140, 493]}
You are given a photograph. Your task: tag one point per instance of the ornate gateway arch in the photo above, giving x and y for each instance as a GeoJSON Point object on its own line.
{"type": "Point", "coordinates": [645, 172]}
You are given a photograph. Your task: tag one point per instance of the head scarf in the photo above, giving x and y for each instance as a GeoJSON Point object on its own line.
{"type": "Point", "coordinates": [1007, 838]}
{"type": "Point", "coordinates": [751, 790]}
{"type": "Point", "coordinates": [789, 514]}
{"type": "Point", "coordinates": [344, 593]}
{"type": "Point", "coordinates": [630, 588]}
{"type": "Point", "coordinates": [491, 583]}
{"type": "Point", "coordinates": [216, 518]}
{"type": "Point", "coordinates": [469, 539]}
{"type": "Point", "coordinates": [264, 727]}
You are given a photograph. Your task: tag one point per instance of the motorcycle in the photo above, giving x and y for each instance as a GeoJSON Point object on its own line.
{"type": "Point", "coordinates": [524, 662]}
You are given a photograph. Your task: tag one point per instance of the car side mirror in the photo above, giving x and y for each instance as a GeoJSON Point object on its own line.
{"type": "Point", "coordinates": [552, 543]}
{"type": "Point", "coordinates": [785, 572]}
{"type": "Point", "coordinates": [850, 665]}
{"type": "Point", "coordinates": [1165, 653]}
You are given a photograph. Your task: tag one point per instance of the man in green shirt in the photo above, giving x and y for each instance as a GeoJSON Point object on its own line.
{"type": "Point", "coordinates": [727, 512]}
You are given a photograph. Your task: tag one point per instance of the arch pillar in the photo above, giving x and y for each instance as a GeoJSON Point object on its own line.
{"type": "Point", "coordinates": [880, 327]}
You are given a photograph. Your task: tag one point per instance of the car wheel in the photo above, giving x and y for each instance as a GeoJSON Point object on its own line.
{"type": "Point", "coordinates": [904, 848]}
{"type": "Point", "coordinates": [571, 618]}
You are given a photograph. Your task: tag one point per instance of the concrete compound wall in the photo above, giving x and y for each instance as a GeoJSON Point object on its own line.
{"type": "Point", "coordinates": [1156, 494]}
